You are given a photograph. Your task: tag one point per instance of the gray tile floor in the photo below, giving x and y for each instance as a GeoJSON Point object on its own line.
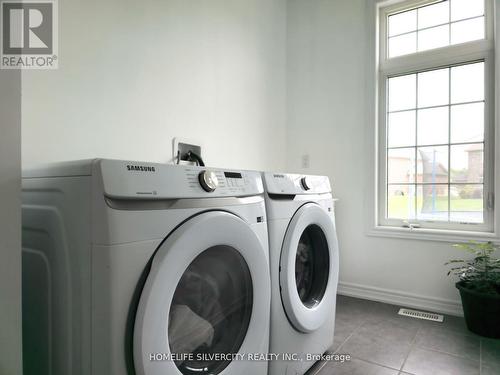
{"type": "Point", "coordinates": [381, 342]}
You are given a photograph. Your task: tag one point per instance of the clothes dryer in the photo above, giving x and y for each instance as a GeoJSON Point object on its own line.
{"type": "Point", "coordinates": [143, 268]}
{"type": "Point", "coordinates": [304, 262]}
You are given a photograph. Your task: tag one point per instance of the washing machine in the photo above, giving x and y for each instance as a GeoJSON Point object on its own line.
{"type": "Point", "coordinates": [304, 263]}
{"type": "Point", "coordinates": [142, 268]}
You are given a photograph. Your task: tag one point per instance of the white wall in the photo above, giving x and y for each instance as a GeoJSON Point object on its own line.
{"type": "Point", "coordinates": [330, 57]}
{"type": "Point", "coordinates": [134, 74]}
{"type": "Point", "coordinates": [10, 223]}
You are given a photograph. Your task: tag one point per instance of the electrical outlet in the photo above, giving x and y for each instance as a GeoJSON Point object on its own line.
{"type": "Point", "coordinates": [305, 161]}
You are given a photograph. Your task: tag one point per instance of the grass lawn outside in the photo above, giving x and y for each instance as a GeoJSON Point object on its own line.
{"type": "Point", "coordinates": [400, 206]}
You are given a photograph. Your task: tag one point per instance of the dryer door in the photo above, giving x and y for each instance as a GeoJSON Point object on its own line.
{"type": "Point", "coordinates": [207, 294]}
{"type": "Point", "coordinates": [309, 268]}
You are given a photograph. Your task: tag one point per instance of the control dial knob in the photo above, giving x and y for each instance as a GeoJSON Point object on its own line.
{"type": "Point", "coordinates": [305, 183]}
{"type": "Point", "coordinates": [208, 180]}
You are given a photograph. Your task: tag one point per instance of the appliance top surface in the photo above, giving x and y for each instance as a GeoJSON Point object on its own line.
{"type": "Point", "coordinates": [122, 179]}
{"type": "Point", "coordinates": [295, 184]}
{"type": "Point", "coordinates": [60, 169]}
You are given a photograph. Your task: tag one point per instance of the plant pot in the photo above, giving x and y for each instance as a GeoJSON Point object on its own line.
{"type": "Point", "coordinates": [481, 311]}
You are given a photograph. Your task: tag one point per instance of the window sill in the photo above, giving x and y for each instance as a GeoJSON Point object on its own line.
{"type": "Point", "coordinates": [437, 235]}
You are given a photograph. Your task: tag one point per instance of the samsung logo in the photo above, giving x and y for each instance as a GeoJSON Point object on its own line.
{"type": "Point", "coordinates": [140, 168]}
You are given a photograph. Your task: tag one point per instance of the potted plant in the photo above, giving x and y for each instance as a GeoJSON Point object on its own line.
{"type": "Point", "coordinates": [479, 286]}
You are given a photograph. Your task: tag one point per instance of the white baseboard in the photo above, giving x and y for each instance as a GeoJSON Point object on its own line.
{"type": "Point", "coordinates": [399, 298]}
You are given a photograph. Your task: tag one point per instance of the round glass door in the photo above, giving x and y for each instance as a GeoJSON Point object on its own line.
{"type": "Point", "coordinates": [309, 268]}
{"type": "Point", "coordinates": [210, 311]}
{"type": "Point", "coordinates": [312, 266]}
{"type": "Point", "coordinates": [206, 297]}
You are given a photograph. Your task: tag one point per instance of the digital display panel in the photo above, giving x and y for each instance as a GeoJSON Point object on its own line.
{"type": "Point", "coordinates": [232, 175]}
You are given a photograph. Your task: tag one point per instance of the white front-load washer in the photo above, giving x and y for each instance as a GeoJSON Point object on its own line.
{"type": "Point", "coordinates": [141, 268]}
{"type": "Point", "coordinates": [304, 263]}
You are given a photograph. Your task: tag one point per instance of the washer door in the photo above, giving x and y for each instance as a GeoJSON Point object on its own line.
{"type": "Point", "coordinates": [309, 268]}
{"type": "Point", "coordinates": [208, 292]}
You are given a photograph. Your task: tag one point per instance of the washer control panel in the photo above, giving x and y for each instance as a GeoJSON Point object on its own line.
{"type": "Point", "coordinates": [135, 180]}
{"type": "Point", "coordinates": [295, 184]}
{"type": "Point", "coordinates": [230, 182]}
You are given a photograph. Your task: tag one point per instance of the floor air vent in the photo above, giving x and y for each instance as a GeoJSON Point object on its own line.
{"type": "Point", "coordinates": [421, 315]}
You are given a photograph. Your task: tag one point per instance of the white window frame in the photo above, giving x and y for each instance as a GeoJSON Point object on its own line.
{"type": "Point", "coordinates": [482, 50]}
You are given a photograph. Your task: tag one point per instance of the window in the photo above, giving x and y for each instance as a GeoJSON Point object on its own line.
{"type": "Point", "coordinates": [436, 115]}
{"type": "Point", "coordinates": [435, 25]}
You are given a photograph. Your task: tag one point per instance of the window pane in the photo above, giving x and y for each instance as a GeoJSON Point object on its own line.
{"type": "Point", "coordinates": [433, 126]}
{"type": "Point", "coordinates": [467, 122]}
{"type": "Point", "coordinates": [432, 164]}
{"type": "Point", "coordinates": [467, 83]}
{"type": "Point", "coordinates": [433, 38]}
{"type": "Point", "coordinates": [435, 25]}
{"type": "Point", "coordinates": [401, 202]}
{"type": "Point", "coordinates": [401, 165]}
{"type": "Point", "coordinates": [433, 88]}
{"type": "Point", "coordinates": [466, 203]}
{"type": "Point", "coordinates": [402, 92]}
{"type": "Point", "coordinates": [402, 22]}
{"type": "Point", "coordinates": [432, 15]}
{"type": "Point", "coordinates": [432, 202]}
{"type": "Point", "coordinates": [401, 129]}
{"type": "Point", "coordinates": [402, 45]}
{"type": "Point", "coordinates": [466, 163]}
{"type": "Point", "coordinates": [461, 9]}
{"type": "Point", "coordinates": [466, 31]}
